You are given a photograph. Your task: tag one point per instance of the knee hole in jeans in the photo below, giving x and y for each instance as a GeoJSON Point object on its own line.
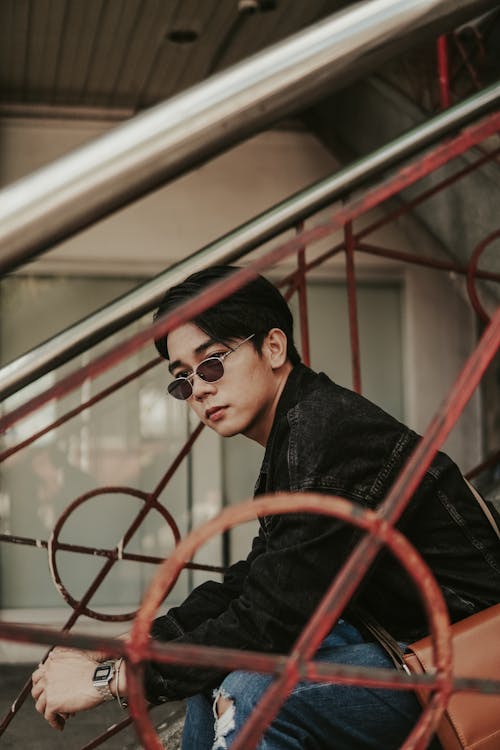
{"type": "Point", "coordinates": [224, 710]}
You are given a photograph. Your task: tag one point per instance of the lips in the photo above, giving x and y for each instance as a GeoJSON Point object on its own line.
{"type": "Point", "coordinates": [214, 413]}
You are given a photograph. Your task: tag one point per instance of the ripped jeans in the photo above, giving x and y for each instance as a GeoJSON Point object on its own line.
{"type": "Point", "coordinates": [315, 716]}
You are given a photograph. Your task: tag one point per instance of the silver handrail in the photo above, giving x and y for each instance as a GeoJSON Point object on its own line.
{"type": "Point", "coordinates": [139, 155]}
{"type": "Point", "coordinates": [234, 245]}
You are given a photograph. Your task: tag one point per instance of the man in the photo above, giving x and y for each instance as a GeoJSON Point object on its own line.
{"type": "Point", "coordinates": [238, 369]}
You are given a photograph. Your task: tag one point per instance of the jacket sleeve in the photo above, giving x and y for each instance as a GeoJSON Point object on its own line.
{"type": "Point", "coordinates": [208, 600]}
{"type": "Point", "coordinates": [281, 587]}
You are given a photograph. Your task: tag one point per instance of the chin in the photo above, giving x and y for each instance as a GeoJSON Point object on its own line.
{"type": "Point", "coordinates": [222, 429]}
{"type": "Point", "coordinates": [225, 431]}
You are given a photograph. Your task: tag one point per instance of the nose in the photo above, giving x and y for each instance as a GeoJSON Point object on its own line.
{"type": "Point", "coordinates": [202, 388]}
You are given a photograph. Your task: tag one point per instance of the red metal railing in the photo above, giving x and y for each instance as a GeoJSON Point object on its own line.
{"type": "Point", "coordinates": [378, 527]}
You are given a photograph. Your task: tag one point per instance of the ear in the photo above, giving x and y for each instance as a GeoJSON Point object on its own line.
{"type": "Point", "coordinates": [275, 346]}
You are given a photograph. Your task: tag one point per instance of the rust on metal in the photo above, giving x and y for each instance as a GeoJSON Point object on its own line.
{"type": "Point", "coordinates": [350, 246]}
{"type": "Point", "coordinates": [472, 274]}
{"type": "Point", "coordinates": [302, 296]}
{"type": "Point", "coordinates": [443, 72]}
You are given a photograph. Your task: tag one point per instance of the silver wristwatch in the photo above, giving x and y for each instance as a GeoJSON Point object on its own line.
{"type": "Point", "coordinates": [103, 674]}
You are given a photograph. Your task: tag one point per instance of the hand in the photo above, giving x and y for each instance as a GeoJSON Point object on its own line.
{"type": "Point", "coordinates": [62, 686]}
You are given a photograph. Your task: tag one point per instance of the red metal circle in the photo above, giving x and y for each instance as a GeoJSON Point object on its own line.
{"type": "Point", "coordinates": [471, 275]}
{"type": "Point", "coordinates": [364, 519]}
{"type": "Point", "coordinates": [53, 545]}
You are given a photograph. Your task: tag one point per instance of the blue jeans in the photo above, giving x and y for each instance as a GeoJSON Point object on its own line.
{"type": "Point", "coordinates": [315, 716]}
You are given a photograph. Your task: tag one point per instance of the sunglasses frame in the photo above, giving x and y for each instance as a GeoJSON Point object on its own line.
{"type": "Point", "coordinates": [177, 382]}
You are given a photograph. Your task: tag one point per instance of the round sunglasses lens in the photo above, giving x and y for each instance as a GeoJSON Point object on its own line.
{"type": "Point", "coordinates": [180, 388]}
{"type": "Point", "coordinates": [210, 370]}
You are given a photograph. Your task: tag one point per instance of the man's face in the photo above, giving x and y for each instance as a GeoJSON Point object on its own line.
{"type": "Point", "coordinates": [244, 399]}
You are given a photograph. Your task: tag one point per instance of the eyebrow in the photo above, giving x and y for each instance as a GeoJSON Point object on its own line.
{"type": "Point", "coordinates": [199, 350]}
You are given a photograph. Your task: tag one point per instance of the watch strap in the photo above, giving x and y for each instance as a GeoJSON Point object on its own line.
{"type": "Point", "coordinates": [103, 674]}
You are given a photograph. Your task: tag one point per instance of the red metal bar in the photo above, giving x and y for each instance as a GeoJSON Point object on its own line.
{"type": "Point", "coordinates": [466, 60]}
{"type": "Point", "coordinates": [114, 729]}
{"type": "Point", "coordinates": [296, 662]}
{"type": "Point", "coordinates": [82, 604]}
{"type": "Point", "coordinates": [302, 292]}
{"type": "Point", "coordinates": [291, 278]}
{"type": "Point", "coordinates": [289, 293]}
{"type": "Point", "coordinates": [472, 273]}
{"type": "Point", "coordinates": [338, 507]}
{"type": "Point", "coordinates": [81, 408]}
{"type": "Point", "coordinates": [407, 206]}
{"type": "Point", "coordinates": [99, 552]}
{"type": "Point", "coordinates": [418, 260]}
{"type": "Point", "coordinates": [360, 247]}
{"type": "Point", "coordinates": [444, 77]}
{"type": "Point", "coordinates": [352, 307]}
{"type": "Point", "coordinates": [412, 473]}
{"type": "Point", "coordinates": [352, 209]}
{"type": "Point", "coordinates": [358, 563]}
{"type": "Point", "coordinates": [166, 652]}
{"type": "Point", "coordinates": [115, 554]}
{"type": "Point", "coordinates": [325, 256]}
{"type": "Point", "coordinates": [177, 462]}
{"type": "Point", "coordinates": [150, 501]}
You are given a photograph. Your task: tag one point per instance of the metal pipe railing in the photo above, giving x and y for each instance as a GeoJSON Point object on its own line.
{"type": "Point", "coordinates": [351, 209]}
{"type": "Point", "coordinates": [143, 153]}
{"type": "Point", "coordinates": [89, 331]}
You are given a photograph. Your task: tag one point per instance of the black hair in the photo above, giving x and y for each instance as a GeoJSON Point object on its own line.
{"type": "Point", "coordinates": [255, 308]}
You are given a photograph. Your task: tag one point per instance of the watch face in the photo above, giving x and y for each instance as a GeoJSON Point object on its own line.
{"type": "Point", "coordinates": [103, 673]}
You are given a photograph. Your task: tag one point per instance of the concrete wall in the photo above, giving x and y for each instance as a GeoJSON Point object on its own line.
{"type": "Point", "coordinates": [174, 221]}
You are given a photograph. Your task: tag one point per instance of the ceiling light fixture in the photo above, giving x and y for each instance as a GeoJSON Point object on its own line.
{"type": "Point", "coordinates": [182, 36]}
{"type": "Point", "coordinates": [256, 6]}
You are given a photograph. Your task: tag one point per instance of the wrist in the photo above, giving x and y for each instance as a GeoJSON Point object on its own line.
{"type": "Point", "coordinates": [113, 686]}
{"type": "Point", "coordinates": [119, 686]}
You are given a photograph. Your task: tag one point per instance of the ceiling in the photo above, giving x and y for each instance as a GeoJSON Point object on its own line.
{"type": "Point", "coordinates": [112, 58]}
{"type": "Point", "coordinates": [126, 55]}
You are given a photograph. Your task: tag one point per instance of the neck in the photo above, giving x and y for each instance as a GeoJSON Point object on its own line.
{"type": "Point", "coordinates": [261, 429]}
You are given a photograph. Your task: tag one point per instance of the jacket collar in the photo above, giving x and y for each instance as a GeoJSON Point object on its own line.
{"type": "Point", "coordinates": [298, 378]}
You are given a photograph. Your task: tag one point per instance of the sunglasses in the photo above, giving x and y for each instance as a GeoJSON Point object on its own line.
{"type": "Point", "coordinates": [210, 370]}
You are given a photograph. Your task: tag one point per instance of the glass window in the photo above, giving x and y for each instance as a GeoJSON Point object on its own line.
{"type": "Point", "coordinates": [126, 440]}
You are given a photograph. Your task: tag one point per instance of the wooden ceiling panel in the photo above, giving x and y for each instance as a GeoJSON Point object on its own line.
{"type": "Point", "coordinates": [182, 63]}
{"type": "Point", "coordinates": [19, 25]}
{"type": "Point", "coordinates": [130, 54]}
{"type": "Point", "coordinates": [255, 32]}
{"type": "Point", "coordinates": [117, 25]}
{"type": "Point", "coordinates": [5, 46]}
{"type": "Point", "coordinates": [216, 27]}
{"type": "Point", "coordinates": [141, 52]}
{"type": "Point", "coordinates": [79, 34]}
{"type": "Point", "coordinates": [45, 30]}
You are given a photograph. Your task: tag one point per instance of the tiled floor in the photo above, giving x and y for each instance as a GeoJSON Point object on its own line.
{"type": "Point", "coordinates": [28, 730]}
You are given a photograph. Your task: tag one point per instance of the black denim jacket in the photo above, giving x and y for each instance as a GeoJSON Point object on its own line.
{"type": "Point", "coordinates": [328, 439]}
